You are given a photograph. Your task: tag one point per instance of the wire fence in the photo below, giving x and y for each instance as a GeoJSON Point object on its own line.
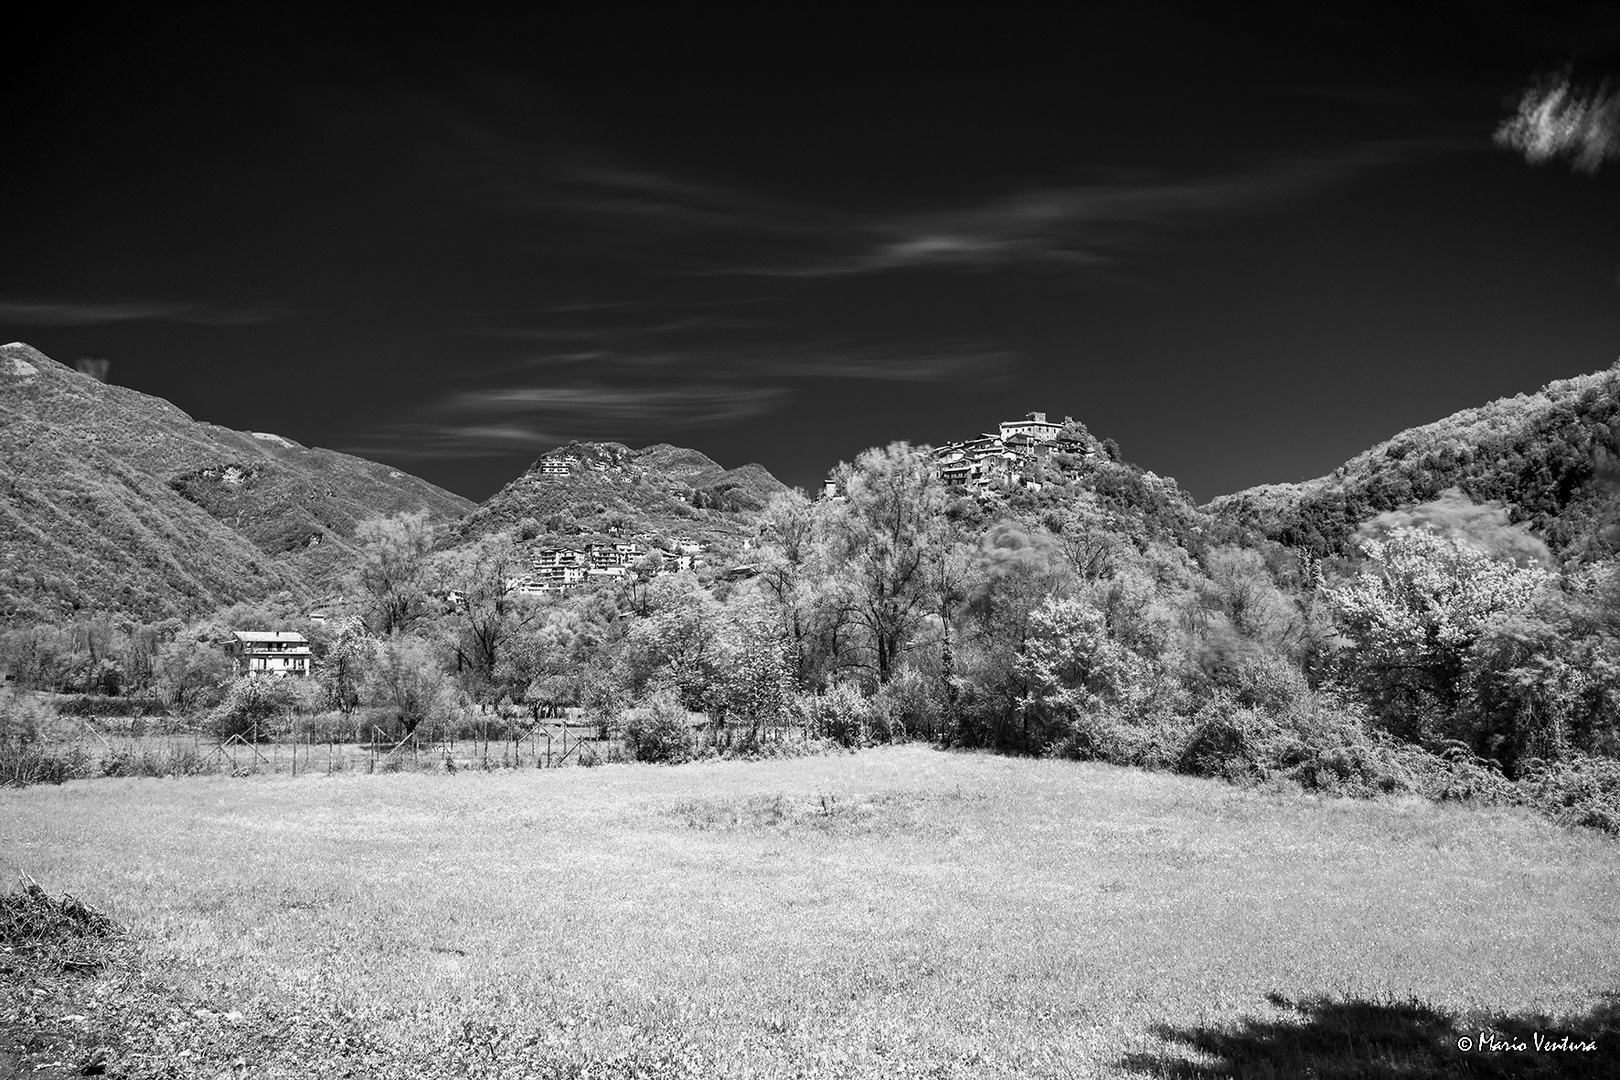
{"type": "Point", "coordinates": [95, 752]}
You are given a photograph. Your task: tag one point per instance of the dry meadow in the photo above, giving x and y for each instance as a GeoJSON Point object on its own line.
{"type": "Point", "coordinates": [897, 912]}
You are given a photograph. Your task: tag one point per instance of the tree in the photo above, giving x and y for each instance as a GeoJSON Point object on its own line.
{"type": "Point", "coordinates": [342, 670]}
{"type": "Point", "coordinates": [678, 643]}
{"type": "Point", "coordinates": [793, 573]}
{"type": "Point", "coordinates": [392, 571]}
{"type": "Point", "coordinates": [485, 615]}
{"type": "Point", "coordinates": [540, 668]}
{"type": "Point", "coordinates": [754, 678]}
{"type": "Point", "coordinates": [1412, 617]}
{"type": "Point", "coordinates": [1072, 668]}
{"type": "Point", "coordinates": [254, 708]}
{"type": "Point", "coordinates": [408, 679]}
{"type": "Point", "coordinates": [1241, 588]}
{"type": "Point", "coordinates": [191, 671]}
{"type": "Point", "coordinates": [883, 535]}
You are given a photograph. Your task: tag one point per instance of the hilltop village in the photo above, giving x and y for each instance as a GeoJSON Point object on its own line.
{"type": "Point", "coordinates": [1009, 457]}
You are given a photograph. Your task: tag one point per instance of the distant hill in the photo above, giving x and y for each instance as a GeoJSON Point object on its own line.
{"type": "Point", "coordinates": [586, 487]}
{"type": "Point", "coordinates": [1549, 458]}
{"type": "Point", "coordinates": [115, 500]}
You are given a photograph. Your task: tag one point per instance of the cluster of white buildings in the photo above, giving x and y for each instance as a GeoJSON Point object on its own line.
{"type": "Point", "coordinates": [1003, 458]}
{"type": "Point", "coordinates": [558, 569]}
{"type": "Point", "coordinates": [566, 464]}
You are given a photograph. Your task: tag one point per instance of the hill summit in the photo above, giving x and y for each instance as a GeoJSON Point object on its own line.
{"type": "Point", "coordinates": [1550, 460]}
{"type": "Point", "coordinates": [114, 500]}
{"type": "Point", "coordinates": [606, 487]}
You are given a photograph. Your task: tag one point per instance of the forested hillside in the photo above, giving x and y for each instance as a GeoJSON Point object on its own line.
{"type": "Point", "coordinates": [115, 501]}
{"type": "Point", "coordinates": [587, 487]}
{"type": "Point", "coordinates": [1548, 458]}
{"type": "Point", "coordinates": [1441, 617]}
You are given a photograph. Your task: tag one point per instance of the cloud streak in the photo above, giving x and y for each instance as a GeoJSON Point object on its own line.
{"type": "Point", "coordinates": [640, 350]}
{"type": "Point", "coordinates": [97, 312]}
{"type": "Point", "coordinates": [1554, 119]}
{"type": "Point", "coordinates": [1083, 226]}
{"type": "Point", "coordinates": [524, 419]}
{"type": "Point", "coordinates": [619, 390]}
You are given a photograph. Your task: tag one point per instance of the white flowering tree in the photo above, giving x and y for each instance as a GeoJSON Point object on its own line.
{"type": "Point", "coordinates": [1073, 668]}
{"type": "Point", "coordinates": [1413, 618]}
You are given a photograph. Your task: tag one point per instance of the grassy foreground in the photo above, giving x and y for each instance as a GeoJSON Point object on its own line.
{"type": "Point", "coordinates": [898, 912]}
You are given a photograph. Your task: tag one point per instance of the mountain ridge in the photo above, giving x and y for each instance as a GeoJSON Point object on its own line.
{"type": "Point", "coordinates": [118, 500]}
{"type": "Point", "coordinates": [601, 487]}
{"type": "Point", "coordinates": [1551, 459]}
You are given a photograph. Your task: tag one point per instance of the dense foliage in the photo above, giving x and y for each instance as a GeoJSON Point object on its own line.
{"type": "Point", "coordinates": [1445, 648]}
{"type": "Point", "coordinates": [1549, 458]}
{"type": "Point", "coordinates": [115, 502]}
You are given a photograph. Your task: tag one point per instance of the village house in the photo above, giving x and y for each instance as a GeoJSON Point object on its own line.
{"type": "Point", "coordinates": [1035, 425]}
{"type": "Point", "coordinates": [558, 466]}
{"type": "Point", "coordinates": [556, 570]}
{"type": "Point", "coordinates": [270, 652]}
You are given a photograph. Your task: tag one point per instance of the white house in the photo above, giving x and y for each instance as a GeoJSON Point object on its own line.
{"type": "Point", "coordinates": [270, 652]}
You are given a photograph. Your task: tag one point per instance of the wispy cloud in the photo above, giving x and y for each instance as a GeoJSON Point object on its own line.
{"type": "Point", "coordinates": [94, 312]}
{"type": "Point", "coordinates": [506, 170]}
{"type": "Point", "coordinates": [1088, 225]}
{"type": "Point", "coordinates": [629, 391]}
{"type": "Point", "coordinates": [1080, 225]}
{"type": "Point", "coordinates": [1554, 119]}
{"type": "Point", "coordinates": [522, 419]}
{"type": "Point", "coordinates": [711, 348]}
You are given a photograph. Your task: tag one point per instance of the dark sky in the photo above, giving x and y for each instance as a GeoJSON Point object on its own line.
{"type": "Point", "coordinates": [1244, 246]}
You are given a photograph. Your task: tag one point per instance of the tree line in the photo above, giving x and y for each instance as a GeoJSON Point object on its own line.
{"type": "Point", "coordinates": [1100, 617]}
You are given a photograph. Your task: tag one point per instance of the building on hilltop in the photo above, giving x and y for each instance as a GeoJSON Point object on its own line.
{"type": "Point", "coordinates": [1007, 457]}
{"type": "Point", "coordinates": [270, 652]}
{"type": "Point", "coordinates": [1036, 426]}
{"type": "Point", "coordinates": [558, 466]}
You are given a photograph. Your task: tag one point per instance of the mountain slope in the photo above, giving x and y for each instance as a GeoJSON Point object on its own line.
{"type": "Point", "coordinates": [115, 500]}
{"type": "Point", "coordinates": [1549, 458]}
{"type": "Point", "coordinates": [663, 489]}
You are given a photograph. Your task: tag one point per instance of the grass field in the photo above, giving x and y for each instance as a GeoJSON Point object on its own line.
{"type": "Point", "coordinates": [897, 912]}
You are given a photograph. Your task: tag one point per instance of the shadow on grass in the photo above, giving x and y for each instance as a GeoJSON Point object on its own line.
{"type": "Point", "coordinates": [1337, 1040]}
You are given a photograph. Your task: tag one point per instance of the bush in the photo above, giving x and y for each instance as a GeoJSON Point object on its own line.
{"type": "Point", "coordinates": [913, 703]}
{"type": "Point", "coordinates": [1227, 744]}
{"type": "Point", "coordinates": [147, 761]}
{"type": "Point", "coordinates": [25, 754]}
{"type": "Point", "coordinates": [253, 708]}
{"type": "Point", "coordinates": [98, 705]}
{"type": "Point", "coordinates": [1577, 791]}
{"type": "Point", "coordinates": [656, 730]}
{"type": "Point", "coordinates": [1155, 742]}
{"type": "Point", "coordinates": [844, 715]}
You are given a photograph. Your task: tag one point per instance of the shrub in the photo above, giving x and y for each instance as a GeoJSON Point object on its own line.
{"type": "Point", "coordinates": [99, 705]}
{"type": "Point", "coordinates": [21, 721]}
{"type": "Point", "coordinates": [656, 730]}
{"type": "Point", "coordinates": [149, 761]}
{"type": "Point", "coordinates": [26, 757]}
{"type": "Point", "coordinates": [1577, 791]}
{"type": "Point", "coordinates": [1230, 744]}
{"type": "Point", "coordinates": [253, 708]}
{"type": "Point", "coordinates": [912, 702]}
{"type": "Point", "coordinates": [844, 715]}
{"type": "Point", "coordinates": [1153, 742]}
